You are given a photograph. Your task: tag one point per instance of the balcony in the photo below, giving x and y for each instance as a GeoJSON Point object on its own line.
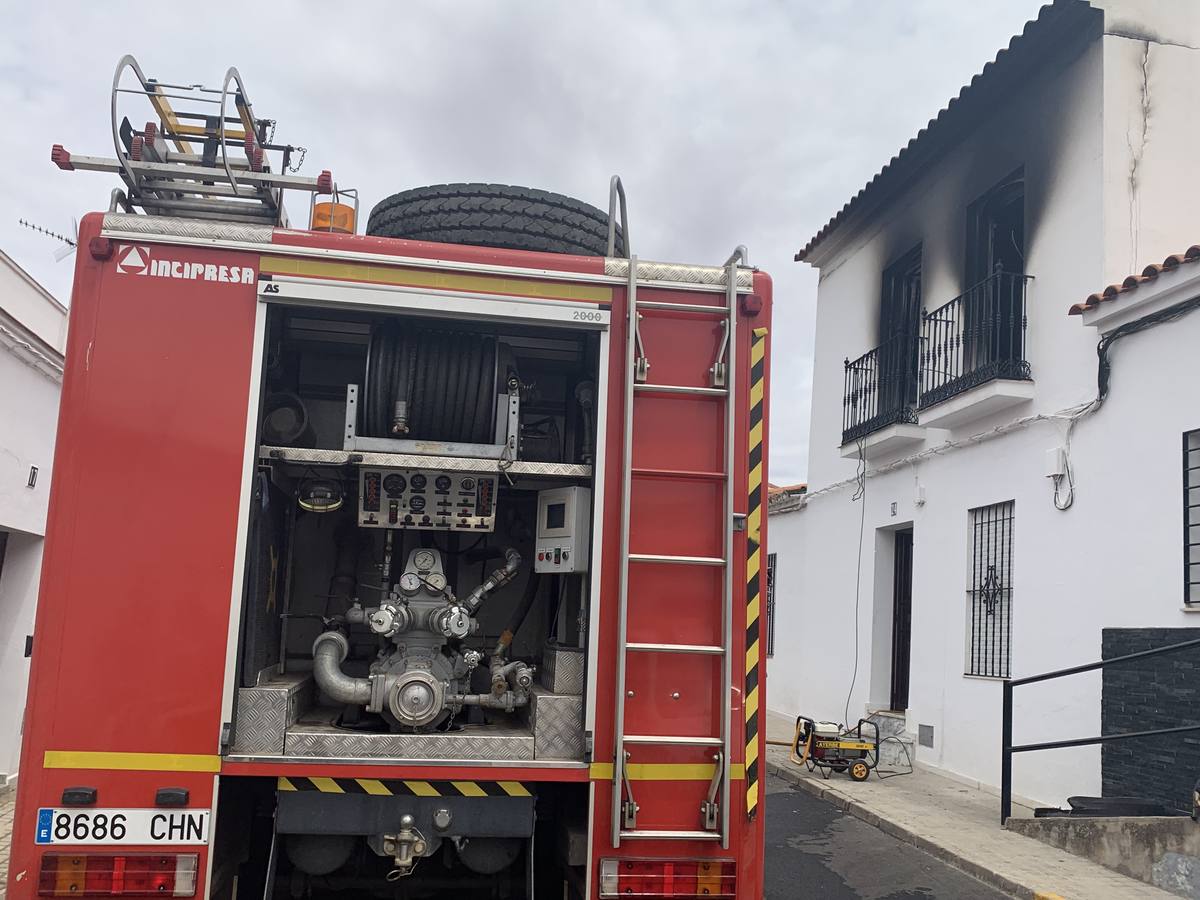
{"type": "Point", "coordinates": [880, 395]}
{"type": "Point", "coordinates": [973, 353]}
{"type": "Point", "coordinates": [968, 362]}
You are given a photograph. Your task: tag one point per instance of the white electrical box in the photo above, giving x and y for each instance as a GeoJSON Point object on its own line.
{"type": "Point", "coordinates": [1056, 462]}
{"type": "Point", "coordinates": [563, 530]}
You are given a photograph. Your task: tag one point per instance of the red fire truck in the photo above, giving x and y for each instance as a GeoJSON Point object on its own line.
{"type": "Point", "coordinates": [419, 563]}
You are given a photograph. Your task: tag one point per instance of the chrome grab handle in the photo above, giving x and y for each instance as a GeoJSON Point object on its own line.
{"type": "Point", "coordinates": [629, 808]}
{"type": "Point", "coordinates": [717, 372]}
{"type": "Point", "coordinates": [641, 365]}
{"type": "Point", "coordinates": [616, 191]}
{"type": "Point", "coordinates": [710, 808]}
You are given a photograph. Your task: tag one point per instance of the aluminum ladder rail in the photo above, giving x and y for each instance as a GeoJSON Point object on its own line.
{"type": "Point", "coordinates": [191, 163]}
{"type": "Point", "coordinates": [723, 376]}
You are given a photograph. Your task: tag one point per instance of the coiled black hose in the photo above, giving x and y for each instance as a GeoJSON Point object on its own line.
{"type": "Point", "coordinates": [431, 384]}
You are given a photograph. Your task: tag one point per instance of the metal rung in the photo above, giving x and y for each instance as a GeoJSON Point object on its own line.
{"type": "Point", "coordinates": [206, 189]}
{"type": "Point", "coordinates": [670, 835]}
{"type": "Point", "coordinates": [677, 560]}
{"type": "Point", "coordinates": [680, 473]}
{"type": "Point", "coordinates": [680, 389]}
{"type": "Point", "coordinates": [683, 307]}
{"type": "Point", "coordinates": [703, 649]}
{"type": "Point", "coordinates": [664, 740]}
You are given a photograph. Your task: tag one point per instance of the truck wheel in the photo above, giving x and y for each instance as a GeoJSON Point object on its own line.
{"type": "Point", "coordinates": [495, 215]}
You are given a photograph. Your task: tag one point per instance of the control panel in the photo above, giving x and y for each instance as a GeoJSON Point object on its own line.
{"type": "Point", "coordinates": [564, 532]}
{"type": "Point", "coordinates": [427, 499]}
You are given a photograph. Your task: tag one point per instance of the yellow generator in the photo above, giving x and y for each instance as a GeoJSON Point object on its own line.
{"type": "Point", "coordinates": [831, 747]}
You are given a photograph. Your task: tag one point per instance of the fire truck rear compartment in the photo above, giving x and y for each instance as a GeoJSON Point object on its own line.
{"type": "Point", "coordinates": [422, 601]}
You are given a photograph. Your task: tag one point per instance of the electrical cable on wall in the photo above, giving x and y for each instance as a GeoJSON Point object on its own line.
{"type": "Point", "coordinates": [1063, 501]}
{"type": "Point", "coordinates": [860, 494]}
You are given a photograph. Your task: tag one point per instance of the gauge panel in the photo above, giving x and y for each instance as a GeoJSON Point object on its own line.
{"type": "Point", "coordinates": [426, 499]}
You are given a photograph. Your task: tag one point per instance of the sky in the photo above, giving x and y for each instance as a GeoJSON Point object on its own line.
{"type": "Point", "coordinates": [729, 122]}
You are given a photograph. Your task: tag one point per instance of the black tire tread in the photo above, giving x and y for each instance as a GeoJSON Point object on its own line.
{"type": "Point", "coordinates": [494, 215]}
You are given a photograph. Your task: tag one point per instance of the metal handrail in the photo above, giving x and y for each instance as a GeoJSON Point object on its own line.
{"type": "Point", "coordinates": [1007, 749]}
{"type": "Point", "coordinates": [125, 62]}
{"type": "Point", "coordinates": [232, 75]}
{"type": "Point", "coordinates": [616, 191]}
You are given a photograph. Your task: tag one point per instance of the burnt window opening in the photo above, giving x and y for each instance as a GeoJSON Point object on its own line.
{"type": "Point", "coordinates": [996, 230]}
{"type": "Point", "coordinates": [881, 385]}
{"type": "Point", "coordinates": [989, 591]}
{"type": "Point", "coordinates": [899, 331]}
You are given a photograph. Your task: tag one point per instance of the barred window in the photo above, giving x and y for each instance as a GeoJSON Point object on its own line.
{"type": "Point", "coordinates": [989, 591]}
{"type": "Point", "coordinates": [770, 605]}
{"type": "Point", "coordinates": [1191, 517]}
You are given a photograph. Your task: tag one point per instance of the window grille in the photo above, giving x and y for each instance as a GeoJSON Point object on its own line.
{"type": "Point", "coordinates": [770, 605]}
{"type": "Point", "coordinates": [1191, 517]}
{"type": "Point", "coordinates": [989, 591]}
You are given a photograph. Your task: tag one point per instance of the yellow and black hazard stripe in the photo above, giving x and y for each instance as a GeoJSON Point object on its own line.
{"type": "Point", "coordinates": [404, 788]}
{"type": "Point", "coordinates": [758, 355]}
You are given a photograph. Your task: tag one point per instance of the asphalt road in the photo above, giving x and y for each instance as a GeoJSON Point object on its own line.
{"type": "Point", "coordinates": [817, 852]}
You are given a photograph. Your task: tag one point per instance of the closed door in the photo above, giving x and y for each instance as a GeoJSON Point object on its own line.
{"type": "Point", "coordinates": [901, 619]}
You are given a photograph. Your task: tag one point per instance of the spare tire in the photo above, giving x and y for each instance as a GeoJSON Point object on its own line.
{"type": "Point", "coordinates": [495, 215]}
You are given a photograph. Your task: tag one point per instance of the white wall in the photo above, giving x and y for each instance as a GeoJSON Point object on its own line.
{"type": "Point", "coordinates": [28, 419]}
{"type": "Point", "coordinates": [1104, 197]}
{"type": "Point", "coordinates": [1113, 560]}
{"type": "Point", "coordinates": [18, 601]}
{"type": "Point", "coordinates": [1053, 129]}
{"type": "Point", "coordinates": [31, 340]}
{"type": "Point", "coordinates": [1151, 134]}
{"type": "Point", "coordinates": [31, 305]}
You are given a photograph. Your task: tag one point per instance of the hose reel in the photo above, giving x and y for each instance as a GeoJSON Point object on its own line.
{"type": "Point", "coordinates": [434, 384]}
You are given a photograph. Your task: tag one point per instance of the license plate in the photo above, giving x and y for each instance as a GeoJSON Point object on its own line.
{"type": "Point", "coordinates": [122, 826]}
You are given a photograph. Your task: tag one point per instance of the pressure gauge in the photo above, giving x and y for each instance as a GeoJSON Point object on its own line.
{"type": "Point", "coordinates": [416, 504]}
{"type": "Point", "coordinates": [410, 583]}
{"type": "Point", "coordinates": [436, 582]}
{"type": "Point", "coordinates": [424, 560]}
{"type": "Point", "coordinates": [442, 483]}
{"type": "Point", "coordinates": [394, 484]}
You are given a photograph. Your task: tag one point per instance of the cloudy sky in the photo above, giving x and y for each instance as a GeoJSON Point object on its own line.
{"type": "Point", "coordinates": [729, 122]}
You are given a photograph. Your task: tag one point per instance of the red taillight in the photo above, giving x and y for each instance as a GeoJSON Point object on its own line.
{"type": "Point", "coordinates": [124, 875]}
{"type": "Point", "coordinates": [685, 878]}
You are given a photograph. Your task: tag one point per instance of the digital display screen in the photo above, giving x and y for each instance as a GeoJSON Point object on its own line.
{"type": "Point", "coordinates": [556, 515]}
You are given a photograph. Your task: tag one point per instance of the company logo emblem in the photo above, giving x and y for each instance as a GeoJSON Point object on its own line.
{"type": "Point", "coordinates": [133, 259]}
{"type": "Point", "coordinates": [136, 259]}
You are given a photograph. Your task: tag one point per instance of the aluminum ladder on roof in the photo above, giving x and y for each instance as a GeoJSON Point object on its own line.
{"type": "Point", "coordinates": [204, 156]}
{"type": "Point", "coordinates": [714, 812]}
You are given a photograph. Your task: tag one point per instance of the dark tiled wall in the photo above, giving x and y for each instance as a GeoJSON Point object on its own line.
{"type": "Point", "coordinates": [1159, 692]}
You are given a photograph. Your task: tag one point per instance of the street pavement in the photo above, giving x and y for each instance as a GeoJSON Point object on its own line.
{"type": "Point", "coordinates": [815, 851]}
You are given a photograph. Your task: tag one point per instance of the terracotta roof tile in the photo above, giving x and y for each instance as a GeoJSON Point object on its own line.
{"type": "Point", "coordinates": [775, 490]}
{"type": "Point", "coordinates": [1151, 272]}
{"type": "Point", "coordinates": [1055, 23]}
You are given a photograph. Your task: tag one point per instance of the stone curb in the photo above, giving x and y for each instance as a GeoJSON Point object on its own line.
{"type": "Point", "coordinates": [907, 835]}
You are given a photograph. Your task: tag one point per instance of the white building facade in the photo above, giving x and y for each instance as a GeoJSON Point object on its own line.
{"type": "Point", "coordinates": [933, 557]}
{"type": "Point", "coordinates": [33, 330]}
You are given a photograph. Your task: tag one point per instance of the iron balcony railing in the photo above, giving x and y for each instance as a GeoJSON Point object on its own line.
{"type": "Point", "coordinates": [880, 388]}
{"type": "Point", "coordinates": [976, 337]}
